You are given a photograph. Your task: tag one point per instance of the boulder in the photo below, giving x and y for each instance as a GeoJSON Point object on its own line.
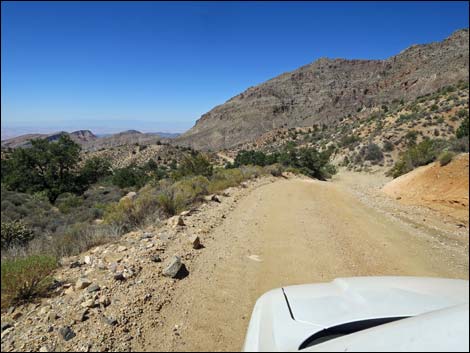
{"type": "Point", "coordinates": [173, 267]}
{"type": "Point", "coordinates": [93, 288]}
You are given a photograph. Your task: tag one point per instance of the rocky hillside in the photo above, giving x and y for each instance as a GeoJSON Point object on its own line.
{"type": "Point", "coordinates": [392, 128]}
{"type": "Point", "coordinates": [329, 89]}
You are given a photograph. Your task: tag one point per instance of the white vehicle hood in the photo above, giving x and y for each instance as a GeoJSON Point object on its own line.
{"type": "Point", "coordinates": [353, 299]}
{"type": "Point", "coordinates": [285, 318]}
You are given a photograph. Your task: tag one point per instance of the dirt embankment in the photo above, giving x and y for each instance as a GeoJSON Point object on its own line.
{"type": "Point", "coordinates": [441, 188]}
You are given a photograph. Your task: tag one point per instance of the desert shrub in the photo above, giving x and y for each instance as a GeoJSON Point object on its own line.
{"type": "Point", "coordinates": [411, 137]}
{"type": "Point", "coordinates": [372, 152]}
{"type": "Point", "coordinates": [23, 279]}
{"type": "Point", "coordinates": [15, 233]}
{"type": "Point", "coordinates": [421, 154]}
{"type": "Point", "coordinates": [347, 140]}
{"type": "Point", "coordinates": [225, 178]}
{"type": "Point", "coordinates": [463, 129]}
{"type": "Point", "coordinates": [388, 146]}
{"type": "Point", "coordinates": [130, 176]}
{"type": "Point", "coordinates": [459, 145]}
{"type": "Point", "coordinates": [120, 213]}
{"type": "Point", "coordinates": [446, 157]}
{"type": "Point", "coordinates": [194, 164]}
{"type": "Point", "coordinates": [68, 201]}
{"type": "Point", "coordinates": [250, 157]}
{"type": "Point", "coordinates": [94, 169]}
{"type": "Point", "coordinates": [274, 169]}
{"type": "Point", "coordinates": [403, 118]}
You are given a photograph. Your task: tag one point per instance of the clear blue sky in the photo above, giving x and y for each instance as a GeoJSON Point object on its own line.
{"type": "Point", "coordinates": [156, 66]}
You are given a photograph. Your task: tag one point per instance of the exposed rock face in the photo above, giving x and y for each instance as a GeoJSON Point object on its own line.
{"type": "Point", "coordinates": [329, 89]}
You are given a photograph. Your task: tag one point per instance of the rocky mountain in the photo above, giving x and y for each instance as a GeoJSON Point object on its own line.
{"type": "Point", "coordinates": [81, 137]}
{"type": "Point", "coordinates": [330, 89]}
{"type": "Point", "coordinates": [88, 140]}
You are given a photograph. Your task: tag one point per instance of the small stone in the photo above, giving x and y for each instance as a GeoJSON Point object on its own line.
{"type": "Point", "coordinates": [176, 221]}
{"type": "Point", "coordinates": [90, 303]}
{"type": "Point", "coordinates": [66, 333]}
{"type": "Point", "coordinates": [11, 309]}
{"type": "Point", "coordinates": [194, 241]}
{"type": "Point", "coordinates": [185, 213]}
{"type": "Point", "coordinates": [113, 267]}
{"type": "Point", "coordinates": [50, 329]}
{"type": "Point", "coordinates": [75, 264]}
{"type": "Point", "coordinates": [52, 316]}
{"type": "Point", "coordinates": [6, 325]}
{"type": "Point", "coordinates": [173, 267]}
{"type": "Point", "coordinates": [104, 300]}
{"type": "Point", "coordinates": [147, 236]}
{"type": "Point", "coordinates": [119, 276]}
{"type": "Point", "coordinates": [88, 260]}
{"type": "Point", "coordinates": [121, 248]}
{"type": "Point", "coordinates": [82, 283]}
{"type": "Point", "coordinates": [82, 315]}
{"type": "Point", "coordinates": [69, 290]}
{"type": "Point", "coordinates": [17, 315]}
{"type": "Point", "coordinates": [155, 258]}
{"type": "Point", "coordinates": [93, 288]}
{"type": "Point", "coordinates": [109, 320]}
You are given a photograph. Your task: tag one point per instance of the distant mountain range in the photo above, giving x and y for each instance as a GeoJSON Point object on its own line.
{"type": "Point", "coordinates": [90, 141]}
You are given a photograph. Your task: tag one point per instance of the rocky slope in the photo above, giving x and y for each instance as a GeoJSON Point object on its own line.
{"type": "Point", "coordinates": [329, 89]}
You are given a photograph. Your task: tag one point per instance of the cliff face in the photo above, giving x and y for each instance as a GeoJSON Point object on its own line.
{"type": "Point", "coordinates": [329, 89]}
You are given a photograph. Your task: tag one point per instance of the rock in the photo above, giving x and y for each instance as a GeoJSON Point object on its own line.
{"type": "Point", "coordinates": [113, 267]}
{"type": "Point", "coordinates": [82, 315]}
{"type": "Point", "coordinates": [109, 320]}
{"type": "Point", "coordinates": [147, 236]}
{"type": "Point", "coordinates": [98, 221]}
{"type": "Point", "coordinates": [155, 258]}
{"type": "Point", "coordinates": [194, 241]}
{"type": "Point", "coordinates": [17, 315]}
{"type": "Point", "coordinates": [128, 273]}
{"type": "Point", "coordinates": [44, 349]}
{"type": "Point", "coordinates": [119, 276]}
{"type": "Point", "coordinates": [244, 185]}
{"type": "Point", "coordinates": [173, 267]}
{"type": "Point", "coordinates": [6, 332]}
{"type": "Point", "coordinates": [93, 288]}
{"type": "Point", "coordinates": [88, 260]}
{"type": "Point", "coordinates": [52, 316]}
{"type": "Point", "coordinates": [69, 290]}
{"type": "Point", "coordinates": [90, 303]}
{"type": "Point", "coordinates": [121, 248]}
{"type": "Point", "coordinates": [11, 309]}
{"type": "Point", "coordinates": [104, 300]}
{"type": "Point", "coordinates": [130, 196]}
{"type": "Point", "coordinates": [66, 333]}
{"type": "Point", "coordinates": [44, 310]}
{"type": "Point", "coordinates": [212, 197]}
{"type": "Point", "coordinates": [185, 213]}
{"type": "Point", "coordinates": [6, 325]}
{"type": "Point", "coordinates": [176, 221]}
{"type": "Point", "coordinates": [75, 264]}
{"type": "Point", "coordinates": [82, 283]}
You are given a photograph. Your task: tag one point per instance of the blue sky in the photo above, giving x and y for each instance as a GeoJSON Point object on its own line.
{"type": "Point", "coordinates": [157, 66]}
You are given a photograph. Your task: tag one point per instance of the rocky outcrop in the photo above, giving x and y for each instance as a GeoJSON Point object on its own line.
{"type": "Point", "coordinates": [329, 89]}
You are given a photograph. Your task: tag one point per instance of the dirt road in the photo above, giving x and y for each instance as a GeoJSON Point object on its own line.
{"type": "Point", "coordinates": [284, 233]}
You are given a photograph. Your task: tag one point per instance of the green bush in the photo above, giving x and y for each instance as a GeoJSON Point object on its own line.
{"type": "Point", "coordinates": [463, 129]}
{"type": "Point", "coordinates": [195, 164]}
{"type": "Point", "coordinates": [67, 202]}
{"type": "Point", "coordinates": [131, 176]}
{"type": "Point", "coordinates": [26, 278]}
{"type": "Point", "coordinates": [15, 233]}
{"type": "Point", "coordinates": [372, 152]}
{"type": "Point", "coordinates": [421, 154]}
{"type": "Point", "coordinates": [446, 157]}
{"type": "Point", "coordinates": [388, 146]}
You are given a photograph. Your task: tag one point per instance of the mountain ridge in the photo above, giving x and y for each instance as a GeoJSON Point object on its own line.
{"type": "Point", "coordinates": [328, 89]}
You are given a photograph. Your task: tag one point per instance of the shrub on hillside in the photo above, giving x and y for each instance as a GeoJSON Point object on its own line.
{"type": "Point", "coordinates": [130, 176]}
{"type": "Point", "coordinates": [388, 146]}
{"type": "Point", "coordinates": [463, 129]}
{"type": "Point", "coordinates": [25, 278]}
{"type": "Point", "coordinates": [15, 233]}
{"type": "Point", "coordinates": [446, 157]}
{"type": "Point", "coordinates": [372, 152]}
{"type": "Point", "coordinates": [194, 164]}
